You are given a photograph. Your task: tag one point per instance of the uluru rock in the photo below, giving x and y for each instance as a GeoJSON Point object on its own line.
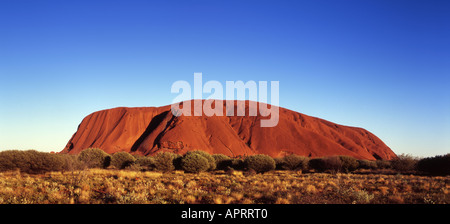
{"type": "Point", "coordinates": [148, 130]}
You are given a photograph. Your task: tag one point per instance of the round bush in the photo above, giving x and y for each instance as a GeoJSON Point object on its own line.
{"type": "Point", "coordinates": [194, 163]}
{"type": "Point", "coordinates": [211, 160]}
{"type": "Point", "coordinates": [94, 158]}
{"type": "Point", "coordinates": [122, 159]}
{"type": "Point", "coordinates": [164, 161]}
{"type": "Point", "coordinates": [260, 163]}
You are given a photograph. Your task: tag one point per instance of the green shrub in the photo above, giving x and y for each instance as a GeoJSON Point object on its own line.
{"type": "Point", "coordinates": [122, 159]}
{"type": "Point", "coordinates": [331, 163]}
{"type": "Point", "coordinates": [384, 164]}
{"type": "Point", "coordinates": [367, 164]}
{"type": "Point", "coordinates": [31, 161]}
{"type": "Point", "coordinates": [43, 162]}
{"type": "Point", "coordinates": [94, 158]}
{"type": "Point", "coordinates": [296, 162]}
{"type": "Point", "coordinates": [404, 162]}
{"type": "Point", "coordinates": [194, 163]}
{"type": "Point", "coordinates": [145, 162]}
{"type": "Point", "coordinates": [211, 160]}
{"type": "Point", "coordinates": [334, 164]}
{"type": "Point", "coordinates": [348, 164]}
{"type": "Point", "coordinates": [292, 162]}
{"type": "Point", "coordinates": [13, 160]}
{"type": "Point", "coordinates": [164, 161]}
{"type": "Point", "coordinates": [70, 161]}
{"type": "Point", "coordinates": [260, 163]}
{"type": "Point", "coordinates": [438, 165]}
{"type": "Point", "coordinates": [222, 161]}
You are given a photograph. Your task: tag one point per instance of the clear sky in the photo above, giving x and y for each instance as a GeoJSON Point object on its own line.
{"type": "Point", "coordinates": [380, 65]}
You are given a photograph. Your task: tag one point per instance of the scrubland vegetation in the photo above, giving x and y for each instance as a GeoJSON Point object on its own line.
{"type": "Point", "coordinates": [197, 177]}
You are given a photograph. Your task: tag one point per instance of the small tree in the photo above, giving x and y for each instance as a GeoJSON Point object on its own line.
{"type": "Point", "coordinates": [94, 158]}
{"type": "Point", "coordinates": [122, 159]}
{"type": "Point", "coordinates": [260, 163]}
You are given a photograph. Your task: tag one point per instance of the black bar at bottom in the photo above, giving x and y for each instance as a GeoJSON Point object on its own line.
{"type": "Point", "coordinates": [223, 213]}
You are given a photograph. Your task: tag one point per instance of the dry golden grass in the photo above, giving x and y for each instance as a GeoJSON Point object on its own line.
{"type": "Point", "coordinates": [280, 187]}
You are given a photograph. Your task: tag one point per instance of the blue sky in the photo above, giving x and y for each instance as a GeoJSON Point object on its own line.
{"type": "Point", "coordinates": [380, 65]}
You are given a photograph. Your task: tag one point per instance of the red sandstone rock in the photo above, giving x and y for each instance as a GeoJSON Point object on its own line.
{"type": "Point", "coordinates": [148, 130]}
